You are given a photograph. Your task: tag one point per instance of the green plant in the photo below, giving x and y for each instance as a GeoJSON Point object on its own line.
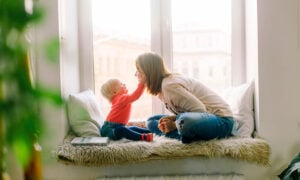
{"type": "Point", "coordinates": [21, 122]}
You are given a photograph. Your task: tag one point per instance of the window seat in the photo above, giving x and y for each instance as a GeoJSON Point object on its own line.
{"type": "Point", "coordinates": [241, 155]}
{"type": "Point", "coordinates": [251, 150]}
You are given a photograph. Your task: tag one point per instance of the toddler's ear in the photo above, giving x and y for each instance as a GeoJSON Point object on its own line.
{"type": "Point", "coordinates": [115, 93]}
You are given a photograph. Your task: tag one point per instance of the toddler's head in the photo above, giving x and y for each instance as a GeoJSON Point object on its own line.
{"type": "Point", "coordinates": [112, 87]}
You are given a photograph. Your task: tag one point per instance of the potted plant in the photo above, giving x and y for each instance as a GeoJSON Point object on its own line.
{"type": "Point", "coordinates": [21, 122]}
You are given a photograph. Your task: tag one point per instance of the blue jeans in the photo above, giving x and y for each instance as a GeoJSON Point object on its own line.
{"type": "Point", "coordinates": [152, 125]}
{"type": "Point", "coordinates": [194, 126]}
{"type": "Point", "coordinates": [117, 131]}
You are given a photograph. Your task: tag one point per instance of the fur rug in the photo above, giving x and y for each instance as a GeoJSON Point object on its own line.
{"type": "Point", "coordinates": [253, 150]}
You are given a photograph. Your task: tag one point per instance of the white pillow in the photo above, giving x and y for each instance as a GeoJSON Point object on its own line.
{"type": "Point", "coordinates": [240, 99]}
{"type": "Point", "coordinates": [84, 114]}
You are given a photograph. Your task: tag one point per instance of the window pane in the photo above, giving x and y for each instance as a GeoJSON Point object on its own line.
{"type": "Point", "coordinates": [201, 32]}
{"type": "Point", "coordinates": [121, 31]}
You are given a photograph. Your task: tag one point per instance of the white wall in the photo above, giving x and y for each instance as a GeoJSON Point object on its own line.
{"type": "Point", "coordinates": [278, 59]}
{"type": "Point", "coordinates": [50, 74]}
{"type": "Point", "coordinates": [278, 72]}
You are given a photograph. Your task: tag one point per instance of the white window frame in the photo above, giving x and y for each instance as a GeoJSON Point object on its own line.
{"type": "Point", "coordinates": [238, 45]}
{"type": "Point", "coordinates": [85, 44]}
{"type": "Point", "coordinates": [161, 42]}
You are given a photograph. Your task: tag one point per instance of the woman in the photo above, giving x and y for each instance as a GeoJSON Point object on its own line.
{"type": "Point", "coordinates": [200, 114]}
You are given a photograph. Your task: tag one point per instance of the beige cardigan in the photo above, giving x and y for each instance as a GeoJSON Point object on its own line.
{"type": "Point", "coordinates": [182, 94]}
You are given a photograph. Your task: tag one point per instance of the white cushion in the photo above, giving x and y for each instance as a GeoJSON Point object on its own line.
{"type": "Point", "coordinates": [84, 114]}
{"type": "Point", "coordinates": [240, 99]}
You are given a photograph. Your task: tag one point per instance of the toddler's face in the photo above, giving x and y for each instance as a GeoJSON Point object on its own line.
{"type": "Point", "coordinates": [120, 87]}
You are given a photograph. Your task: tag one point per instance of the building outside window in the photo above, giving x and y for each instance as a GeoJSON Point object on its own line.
{"type": "Point", "coordinates": [194, 37]}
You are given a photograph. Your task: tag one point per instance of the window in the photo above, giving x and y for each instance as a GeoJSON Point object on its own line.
{"type": "Point", "coordinates": [194, 37]}
{"type": "Point", "coordinates": [120, 33]}
{"type": "Point", "coordinates": [201, 40]}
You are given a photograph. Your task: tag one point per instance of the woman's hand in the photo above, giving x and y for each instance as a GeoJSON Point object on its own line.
{"type": "Point", "coordinates": [166, 124]}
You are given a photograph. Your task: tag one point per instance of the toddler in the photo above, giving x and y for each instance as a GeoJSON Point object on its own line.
{"type": "Point", "coordinates": [115, 125]}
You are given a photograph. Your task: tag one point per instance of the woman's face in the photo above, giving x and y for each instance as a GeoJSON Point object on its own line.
{"type": "Point", "coordinates": [140, 74]}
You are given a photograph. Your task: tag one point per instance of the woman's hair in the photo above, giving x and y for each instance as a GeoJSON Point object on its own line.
{"type": "Point", "coordinates": [107, 88]}
{"type": "Point", "coordinates": [154, 69]}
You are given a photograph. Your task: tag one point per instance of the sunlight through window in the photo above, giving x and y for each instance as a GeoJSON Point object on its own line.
{"type": "Point", "coordinates": [201, 43]}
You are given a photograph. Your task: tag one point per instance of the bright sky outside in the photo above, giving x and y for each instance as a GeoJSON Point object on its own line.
{"type": "Point", "coordinates": [132, 17]}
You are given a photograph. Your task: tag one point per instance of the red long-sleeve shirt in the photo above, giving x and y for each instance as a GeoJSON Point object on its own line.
{"type": "Point", "coordinates": [121, 105]}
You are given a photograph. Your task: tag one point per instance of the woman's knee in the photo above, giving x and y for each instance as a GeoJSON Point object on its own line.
{"type": "Point", "coordinates": [156, 117]}
{"type": "Point", "coordinates": [152, 123]}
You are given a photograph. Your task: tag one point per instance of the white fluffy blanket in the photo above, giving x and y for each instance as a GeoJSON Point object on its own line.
{"type": "Point", "coordinates": [253, 150]}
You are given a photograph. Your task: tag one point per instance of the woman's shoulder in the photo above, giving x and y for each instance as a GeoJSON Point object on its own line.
{"type": "Point", "coordinates": [173, 78]}
{"type": "Point", "coordinates": [179, 79]}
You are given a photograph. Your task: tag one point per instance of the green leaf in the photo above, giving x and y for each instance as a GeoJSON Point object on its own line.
{"type": "Point", "coordinates": [51, 50]}
{"type": "Point", "coordinates": [23, 150]}
{"type": "Point", "coordinates": [20, 103]}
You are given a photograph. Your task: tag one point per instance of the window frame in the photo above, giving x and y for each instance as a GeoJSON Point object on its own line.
{"type": "Point", "coordinates": [161, 42]}
{"type": "Point", "coordinates": [85, 44]}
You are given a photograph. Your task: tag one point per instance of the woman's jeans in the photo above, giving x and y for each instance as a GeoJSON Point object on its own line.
{"type": "Point", "coordinates": [193, 126]}
{"type": "Point", "coordinates": [117, 131]}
